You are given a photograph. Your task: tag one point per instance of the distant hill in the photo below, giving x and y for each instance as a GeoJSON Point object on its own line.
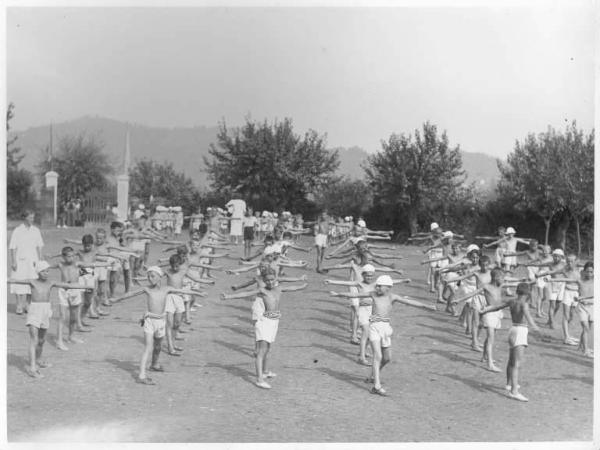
{"type": "Point", "coordinates": [185, 147]}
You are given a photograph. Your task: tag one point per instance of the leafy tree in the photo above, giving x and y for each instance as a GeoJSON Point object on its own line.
{"type": "Point", "coordinates": [19, 182]}
{"type": "Point", "coordinates": [81, 166]}
{"type": "Point", "coordinates": [577, 164]}
{"type": "Point", "coordinates": [149, 178]}
{"type": "Point", "coordinates": [551, 174]}
{"type": "Point", "coordinates": [412, 175]}
{"type": "Point", "coordinates": [345, 197]}
{"type": "Point", "coordinates": [268, 165]}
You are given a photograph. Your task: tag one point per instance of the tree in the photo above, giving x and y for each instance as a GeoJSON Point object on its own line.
{"type": "Point", "coordinates": [268, 165]}
{"type": "Point", "coordinates": [345, 197]}
{"type": "Point", "coordinates": [577, 164]}
{"type": "Point", "coordinates": [149, 179]}
{"type": "Point", "coordinates": [81, 166]}
{"type": "Point", "coordinates": [550, 174]}
{"type": "Point", "coordinates": [19, 182]}
{"type": "Point", "coordinates": [411, 175]}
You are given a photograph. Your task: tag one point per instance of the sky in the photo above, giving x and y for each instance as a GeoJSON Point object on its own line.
{"type": "Point", "coordinates": [487, 75]}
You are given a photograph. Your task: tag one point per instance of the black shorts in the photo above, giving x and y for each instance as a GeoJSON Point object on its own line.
{"type": "Point", "coordinates": [248, 233]}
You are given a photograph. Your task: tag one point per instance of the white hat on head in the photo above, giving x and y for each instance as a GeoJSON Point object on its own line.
{"type": "Point", "coordinates": [434, 226]}
{"type": "Point", "coordinates": [275, 215]}
{"type": "Point", "coordinates": [361, 223]}
{"type": "Point", "coordinates": [347, 219]}
{"type": "Point", "coordinates": [156, 270]}
{"type": "Point", "coordinates": [41, 265]}
{"type": "Point", "coordinates": [558, 252]}
{"type": "Point", "coordinates": [177, 208]}
{"type": "Point", "coordinates": [367, 268]}
{"type": "Point", "coordinates": [510, 230]}
{"type": "Point", "coordinates": [141, 206]}
{"type": "Point", "coordinates": [472, 248]}
{"type": "Point", "coordinates": [384, 280]}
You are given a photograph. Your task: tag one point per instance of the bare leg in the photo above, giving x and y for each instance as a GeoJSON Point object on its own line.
{"type": "Point", "coordinates": [364, 338]}
{"type": "Point", "coordinates": [148, 347]}
{"type": "Point", "coordinates": [354, 324]}
{"type": "Point", "coordinates": [33, 343]}
{"type": "Point", "coordinates": [475, 331]}
{"type": "Point", "coordinates": [260, 360]}
{"type": "Point", "coordinates": [377, 360]}
{"type": "Point", "coordinates": [156, 351]}
{"type": "Point", "coordinates": [489, 345]}
{"type": "Point", "coordinates": [62, 324]}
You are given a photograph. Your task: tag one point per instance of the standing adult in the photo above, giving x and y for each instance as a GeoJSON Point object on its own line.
{"type": "Point", "coordinates": [237, 208]}
{"type": "Point", "coordinates": [25, 248]}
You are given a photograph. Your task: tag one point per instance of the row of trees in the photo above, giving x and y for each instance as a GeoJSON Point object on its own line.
{"type": "Point", "coordinates": [415, 179]}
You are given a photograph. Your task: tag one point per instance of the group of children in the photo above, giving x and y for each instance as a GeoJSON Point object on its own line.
{"type": "Point", "coordinates": [89, 276]}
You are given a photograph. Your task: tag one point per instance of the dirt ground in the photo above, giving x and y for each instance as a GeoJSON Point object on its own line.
{"type": "Point", "coordinates": [439, 390]}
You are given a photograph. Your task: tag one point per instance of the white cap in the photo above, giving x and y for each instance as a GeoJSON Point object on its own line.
{"type": "Point", "coordinates": [472, 248]}
{"type": "Point", "coordinates": [177, 208]}
{"type": "Point", "coordinates": [155, 269]}
{"type": "Point", "coordinates": [558, 252]}
{"type": "Point", "coordinates": [41, 265]}
{"type": "Point", "coordinates": [141, 206]}
{"type": "Point", "coordinates": [510, 230]}
{"type": "Point", "coordinates": [367, 268]}
{"type": "Point", "coordinates": [433, 226]}
{"type": "Point", "coordinates": [275, 215]}
{"type": "Point", "coordinates": [447, 234]}
{"type": "Point", "coordinates": [361, 223]}
{"type": "Point", "coordinates": [347, 219]}
{"type": "Point", "coordinates": [384, 280]}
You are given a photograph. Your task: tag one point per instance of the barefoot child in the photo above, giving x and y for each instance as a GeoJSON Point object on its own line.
{"type": "Point", "coordinates": [493, 320]}
{"type": "Point", "coordinates": [153, 320]}
{"type": "Point", "coordinates": [517, 336]}
{"type": "Point", "coordinates": [266, 326]}
{"type": "Point", "coordinates": [39, 313]}
{"type": "Point", "coordinates": [363, 308]}
{"type": "Point", "coordinates": [380, 331]}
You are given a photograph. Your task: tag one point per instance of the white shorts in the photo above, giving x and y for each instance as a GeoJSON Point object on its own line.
{"type": "Point", "coordinates": [266, 329]}
{"type": "Point", "coordinates": [542, 281]}
{"type": "Point", "coordinates": [557, 290]}
{"type": "Point", "coordinates": [517, 335]}
{"type": "Point", "coordinates": [364, 312]}
{"type": "Point", "coordinates": [569, 296]}
{"type": "Point", "coordinates": [381, 331]}
{"type": "Point", "coordinates": [236, 227]}
{"type": "Point", "coordinates": [435, 253]}
{"type": "Point", "coordinates": [155, 327]}
{"type": "Point", "coordinates": [88, 280]}
{"type": "Point", "coordinates": [101, 273]}
{"type": "Point", "coordinates": [492, 320]}
{"type": "Point", "coordinates": [25, 271]}
{"type": "Point", "coordinates": [585, 313]}
{"type": "Point", "coordinates": [175, 304]}
{"type": "Point", "coordinates": [509, 260]}
{"type": "Point", "coordinates": [321, 240]}
{"type": "Point", "coordinates": [258, 308]}
{"type": "Point", "coordinates": [38, 314]}
{"type": "Point", "coordinates": [69, 297]}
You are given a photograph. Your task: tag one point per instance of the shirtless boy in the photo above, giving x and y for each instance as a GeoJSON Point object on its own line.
{"type": "Point", "coordinates": [39, 313]}
{"type": "Point", "coordinates": [517, 336]}
{"type": "Point", "coordinates": [267, 325]}
{"type": "Point", "coordinates": [153, 320]}
{"type": "Point", "coordinates": [380, 330]}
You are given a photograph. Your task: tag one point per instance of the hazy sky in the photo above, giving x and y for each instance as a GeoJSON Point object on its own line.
{"type": "Point", "coordinates": [486, 75]}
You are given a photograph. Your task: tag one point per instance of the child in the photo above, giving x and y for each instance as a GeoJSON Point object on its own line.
{"type": "Point", "coordinates": [88, 259]}
{"type": "Point", "coordinates": [250, 223]}
{"type": "Point", "coordinates": [268, 323]}
{"type": "Point", "coordinates": [39, 313]}
{"type": "Point", "coordinates": [380, 330]}
{"type": "Point", "coordinates": [361, 309]}
{"type": "Point", "coordinates": [517, 336]}
{"type": "Point", "coordinates": [153, 320]}
{"type": "Point", "coordinates": [493, 320]}
{"type": "Point", "coordinates": [585, 306]}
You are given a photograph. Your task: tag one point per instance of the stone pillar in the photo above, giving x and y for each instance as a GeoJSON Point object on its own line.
{"type": "Point", "coordinates": [123, 196]}
{"type": "Point", "coordinates": [52, 187]}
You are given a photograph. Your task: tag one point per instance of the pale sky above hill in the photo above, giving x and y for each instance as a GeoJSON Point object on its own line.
{"type": "Point", "coordinates": [487, 75]}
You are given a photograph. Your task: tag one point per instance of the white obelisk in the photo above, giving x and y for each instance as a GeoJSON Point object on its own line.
{"type": "Point", "coordinates": [123, 183]}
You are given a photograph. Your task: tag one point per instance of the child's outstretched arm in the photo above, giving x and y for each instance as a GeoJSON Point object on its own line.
{"type": "Point", "coordinates": [341, 282]}
{"type": "Point", "coordinates": [468, 296]}
{"type": "Point", "coordinates": [243, 294]}
{"type": "Point", "coordinates": [412, 302]}
{"type": "Point", "coordinates": [294, 287]}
